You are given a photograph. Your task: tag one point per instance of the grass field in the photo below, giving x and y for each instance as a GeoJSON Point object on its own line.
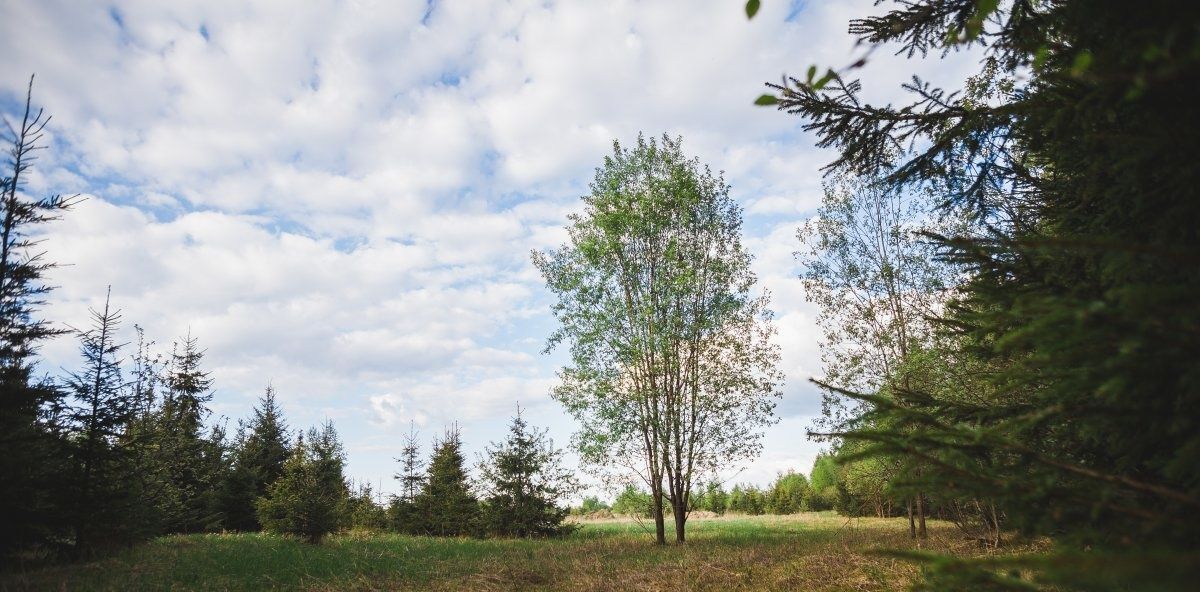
{"type": "Point", "coordinates": [801, 552]}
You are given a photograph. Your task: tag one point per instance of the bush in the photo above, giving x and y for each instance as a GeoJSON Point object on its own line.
{"type": "Point", "coordinates": [360, 510]}
{"type": "Point", "coordinates": [591, 505]}
{"type": "Point", "coordinates": [302, 502]}
{"type": "Point", "coordinates": [634, 502]}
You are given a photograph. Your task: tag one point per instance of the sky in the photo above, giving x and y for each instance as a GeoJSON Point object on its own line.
{"type": "Point", "coordinates": [340, 197]}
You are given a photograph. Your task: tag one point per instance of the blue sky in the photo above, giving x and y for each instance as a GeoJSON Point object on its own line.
{"type": "Point", "coordinates": [341, 197]}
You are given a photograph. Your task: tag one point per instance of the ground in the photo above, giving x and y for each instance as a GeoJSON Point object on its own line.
{"type": "Point", "coordinates": [801, 552]}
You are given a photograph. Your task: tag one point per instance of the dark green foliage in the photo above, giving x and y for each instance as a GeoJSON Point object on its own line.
{"type": "Point", "coordinates": [526, 484]}
{"type": "Point", "coordinates": [591, 505]}
{"type": "Point", "coordinates": [304, 501]}
{"type": "Point", "coordinates": [747, 499]}
{"type": "Point", "coordinates": [1072, 155]}
{"type": "Point", "coordinates": [633, 502]}
{"type": "Point", "coordinates": [103, 501]}
{"type": "Point", "coordinates": [361, 510]}
{"type": "Point", "coordinates": [402, 515]}
{"type": "Point", "coordinates": [238, 491]}
{"type": "Point", "coordinates": [310, 498]}
{"type": "Point", "coordinates": [192, 462]}
{"type": "Point", "coordinates": [446, 506]}
{"type": "Point", "coordinates": [29, 453]}
{"type": "Point", "coordinates": [788, 494]}
{"type": "Point", "coordinates": [257, 461]}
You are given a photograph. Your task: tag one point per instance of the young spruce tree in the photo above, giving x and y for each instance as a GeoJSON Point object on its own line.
{"type": "Point", "coordinates": [96, 421]}
{"type": "Point", "coordinates": [193, 460]}
{"type": "Point", "coordinates": [402, 514]}
{"type": "Point", "coordinates": [27, 446]}
{"type": "Point", "coordinates": [258, 459]}
{"type": "Point", "coordinates": [447, 506]}
{"type": "Point", "coordinates": [310, 496]}
{"type": "Point", "coordinates": [527, 484]}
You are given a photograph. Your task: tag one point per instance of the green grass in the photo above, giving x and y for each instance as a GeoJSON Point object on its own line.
{"type": "Point", "coordinates": [803, 552]}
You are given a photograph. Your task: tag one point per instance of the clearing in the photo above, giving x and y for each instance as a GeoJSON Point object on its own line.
{"type": "Point", "coordinates": [811, 551]}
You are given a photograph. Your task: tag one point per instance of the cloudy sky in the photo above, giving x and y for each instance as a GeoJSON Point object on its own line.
{"type": "Point", "coordinates": [340, 196]}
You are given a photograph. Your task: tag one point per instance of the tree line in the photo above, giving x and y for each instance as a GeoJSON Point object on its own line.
{"type": "Point", "coordinates": [124, 446]}
{"type": "Point", "coordinates": [834, 483]}
{"type": "Point", "coordinates": [790, 493]}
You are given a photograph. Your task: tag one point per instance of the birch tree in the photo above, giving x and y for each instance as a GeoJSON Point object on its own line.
{"type": "Point", "coordinates": [672, 373]}
{"type": "Point", "coordinates": [877, 286]}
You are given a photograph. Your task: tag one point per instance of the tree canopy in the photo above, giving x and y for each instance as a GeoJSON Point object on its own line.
{"type": "Point", "coordinates": [672, 366]}
{"type": "Point", "coordinates": [1065, 157]}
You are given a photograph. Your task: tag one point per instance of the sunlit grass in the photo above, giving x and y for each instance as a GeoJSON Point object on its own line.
{"type": "Point", "coordinates": [802, 552]}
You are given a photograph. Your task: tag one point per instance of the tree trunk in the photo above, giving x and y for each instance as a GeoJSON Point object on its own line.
{"type": "Point", "coordinates": [680, 520]}
{"type": "Point", "coordinates": [921, 515]}
{"type": "Point", "coordinates": [912, 526]}
{"type": "Point", "coordinates": [994, 525]}
{"type": "Point", "coordinates": [660, 526]}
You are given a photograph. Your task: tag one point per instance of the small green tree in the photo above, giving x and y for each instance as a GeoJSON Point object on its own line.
{"type": "Point", "coordinates": [193, 463]}
{"type": "Point", "coordinates": [527, 484]}
{"type": "Point", "coordinates": [823, 483]}
{"type": "Point", "coordinates": [96, 419]}
{"type": "Point", "coordinates": [361, 510]}
{"type": "Point", "coordinates": [446, 505]}
{"type": "Point", "coordinates": [302, 502]}
{"type": "Point", "coordinates": [402, 514]}
{"type": "Point", "coordinates": [716, 500]}
{"type": "Point", "coordinates": [788, 494]}
{"type": "Point", "coordinates": [259, 454]}
{"type": "Point", "coordinates": [592, 504]}
{"type": "Point", "coordinates": [634, 502]}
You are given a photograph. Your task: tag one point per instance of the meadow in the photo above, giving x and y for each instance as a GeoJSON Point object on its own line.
{"type": "Point", "coordinates": [810, 551]}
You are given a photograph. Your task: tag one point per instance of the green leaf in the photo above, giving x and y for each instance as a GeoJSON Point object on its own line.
{"type": "Point", "coordinates": [752, 8]}
{"type": "Point", "coordinates": [829, 75]}
{"type": "Point", "coordinates": [812, 71]}
{"type": "Point", "coordinates": [766, 100]}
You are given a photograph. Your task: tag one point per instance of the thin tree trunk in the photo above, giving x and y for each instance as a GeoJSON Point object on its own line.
{"type": "Point", "coordinates": [912, 526]}
{"type": "Point", "coordinates": [995, 525]}
{"type": "Point", "coordinates": [921, 533]}
{"type": "Point", "coordinates": [660, 526]}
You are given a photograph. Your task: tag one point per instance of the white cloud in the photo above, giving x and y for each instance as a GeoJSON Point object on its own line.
{"type": "Point", "coordinates": [342, 197]}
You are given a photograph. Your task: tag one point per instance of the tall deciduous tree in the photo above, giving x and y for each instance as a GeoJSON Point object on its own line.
{"type": "Point", "coordinates": [26, 445]}
{"type": "Point", "coordinates": [877, 285]}
{"type": "Point", "coordinates": [672, 369]}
